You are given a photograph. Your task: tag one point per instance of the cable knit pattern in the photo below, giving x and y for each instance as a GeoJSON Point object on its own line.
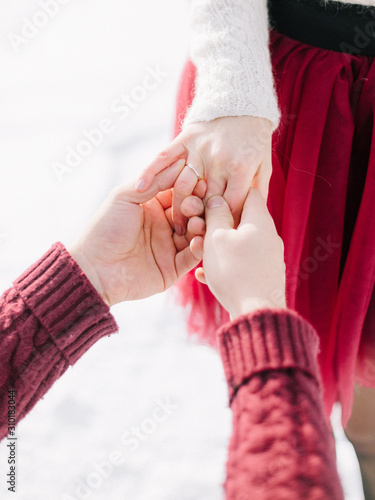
{"type": "Point", "coordinates": [282, 446]}
{"type": "Point", "coordinates": [51, 317]}
{"type": "Point", "coordinates": [269, 341]}
{"type": "Point", "coordinates": [229, 46]}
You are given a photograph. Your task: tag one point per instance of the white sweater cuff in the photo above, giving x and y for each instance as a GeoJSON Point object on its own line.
{"type": "Point", "coordinates": [229, 47]}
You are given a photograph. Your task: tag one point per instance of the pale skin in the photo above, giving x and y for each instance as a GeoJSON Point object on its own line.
{"type": "Point", "coordinates": [117, 263]}
{"type": "Point", "coordinates": [129, 250]}
{"type": "Point", "coordinates": [244, 266]}
{"type": "Point", "coordinates": [232, 154]}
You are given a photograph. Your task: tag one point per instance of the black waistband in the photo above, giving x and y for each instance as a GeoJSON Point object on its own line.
{"type": "Point", "coordinates": [329, 25]}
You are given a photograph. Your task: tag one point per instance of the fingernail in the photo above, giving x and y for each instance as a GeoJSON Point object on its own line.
{"type": "Point", "coordinates": [215, 201]}
{"type": "Point", "coordinates": [140, 184]}
{"type": "Point", "coordinates": [178, 230]}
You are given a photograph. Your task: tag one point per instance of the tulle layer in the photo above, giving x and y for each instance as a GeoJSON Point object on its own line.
{"type": "Point", "coordinates": [322, 197]}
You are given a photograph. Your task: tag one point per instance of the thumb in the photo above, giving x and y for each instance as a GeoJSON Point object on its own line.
{"type": "Point", "coordinates": [162, 181]}
{"type": "Point", "coordinates": [218, 214]}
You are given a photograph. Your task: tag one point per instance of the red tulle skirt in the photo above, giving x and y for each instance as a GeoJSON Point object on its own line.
{"type": "Point", "coordinates": [322, 198]}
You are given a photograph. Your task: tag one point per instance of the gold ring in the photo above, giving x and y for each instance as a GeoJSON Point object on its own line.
{"type": "Point", "coordinates": [193, 169]}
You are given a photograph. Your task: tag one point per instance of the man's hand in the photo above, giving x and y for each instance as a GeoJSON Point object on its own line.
{"type": "Point", "coordinates": [129, 250]}
{"type": "Point", "coordinates": [244, 268]}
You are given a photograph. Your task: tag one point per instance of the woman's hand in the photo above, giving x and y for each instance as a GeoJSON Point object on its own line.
{"type": "Point", "coordinates": [230, 153]}
{"type": "Point", "coordinates": [129, 249]}
{"type": "Point", "coordinates": [244, 267]}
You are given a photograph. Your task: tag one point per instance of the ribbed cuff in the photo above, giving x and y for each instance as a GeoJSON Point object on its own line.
{"type": "Point", "coordinates": [62, 298]}
{"type": "Point", "coordinates": [201, 111]}
{"type": "Point", "coordinates": [267, 340]}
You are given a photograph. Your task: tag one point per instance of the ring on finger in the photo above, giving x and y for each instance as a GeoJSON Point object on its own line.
{"type": "Point", "coordinates": [193, 169]}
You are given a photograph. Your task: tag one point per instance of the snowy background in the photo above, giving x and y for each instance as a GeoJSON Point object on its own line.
{"type": "Point", "coordinates": [62, 74]}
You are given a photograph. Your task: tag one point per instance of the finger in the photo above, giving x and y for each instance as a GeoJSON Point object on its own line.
{"type": "Point", "coordinates": [165, 198]}
{"type": "Point", "coordinates": [218, 215]}
{"type": "Point", "coordinates": [185, 262]}
{"type": "Point", "coordinates": [262, 179]}
{"type": "Point", "coordinates": [255, 211]}
{"type": "Point", "coordinates": [236, 200]}
{"type": "Point", "coordinates": [191, 206]}
{"type": "Point", "coordinates": [199, 274]}
{"type": "Point", "coordinates": [168, 215]}
{"type": "Point", "coordinates": [196, 227]}
{"type": "Point", "coordinates": [237, 189]}
{"type": "Point", "coordinates": [196, 247]}
{"type": "Point", "coordinates": [200, 189]}
{"type": "Point", "coordinates": [162, 181]}
{"type": "Point", "coordinates": [164, 159]}
{"type": "Point", "coordinates": [180, 242]}
{"type": "Point", "coordinates": [183, 187]}
{"type": "Point", "coordinates": [215, 185]}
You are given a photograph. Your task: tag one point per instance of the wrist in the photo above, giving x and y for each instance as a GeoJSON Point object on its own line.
{"type": "Point", "coordinates": [78, 254]}
{"type": "Point", "coordinates": [250, 305]}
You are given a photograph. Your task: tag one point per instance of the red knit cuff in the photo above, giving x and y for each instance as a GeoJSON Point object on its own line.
{"type": "Point", "coordinates": [62, 298]}
{"type": "Point", "coordinates": [267, 340]}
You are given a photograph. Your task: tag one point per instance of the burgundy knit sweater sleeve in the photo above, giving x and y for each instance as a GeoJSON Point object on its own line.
{"type": "Point", "coordinates": [48, 320]}
{"type": "Point", "coordinates": [282, 446]}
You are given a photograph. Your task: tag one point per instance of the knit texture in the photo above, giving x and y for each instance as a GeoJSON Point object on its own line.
{"type": "Point", "coordinates": [281, 339]}
{"type": "Point", "coordinates": [282, 446]}
{"type": "Point", "coordinates": [48, 320]}
{"type": "Point", "coordinates": [229, 47]}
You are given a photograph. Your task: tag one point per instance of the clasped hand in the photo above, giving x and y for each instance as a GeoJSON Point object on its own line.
{"type": "Point", "coordinates": [130, 249]}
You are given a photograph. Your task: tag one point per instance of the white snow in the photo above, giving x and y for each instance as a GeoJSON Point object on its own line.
{"type": "Point", "coordinates": [64, 80]}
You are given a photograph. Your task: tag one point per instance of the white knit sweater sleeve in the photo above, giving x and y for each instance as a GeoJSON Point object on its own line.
{"type": "Point", "coordinates": [229, 47]}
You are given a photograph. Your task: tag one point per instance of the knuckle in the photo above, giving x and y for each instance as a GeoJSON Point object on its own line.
{"type": "Point", "coordinates": [203, 144]}
{"type": "Point", "coordinates": [220, 155]}
{"type": "Point", "coordinates": [235, 167]}
{"type": "Point", "coordinates": [219, 237]}
{"type": "Point", "coordinates": [162, 155]}
{"type": "Point", "coordinates": [116, 193]}
{"type": "Point", "coordinates": [247, 150]}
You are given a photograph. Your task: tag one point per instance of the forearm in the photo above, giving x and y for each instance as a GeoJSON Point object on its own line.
{"type": "Point", "coordinates": [282, 445]}
{"type": "Point", "coordinates": [229, 47]}
{"type": "Point", "coordinates": [48, 320]}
